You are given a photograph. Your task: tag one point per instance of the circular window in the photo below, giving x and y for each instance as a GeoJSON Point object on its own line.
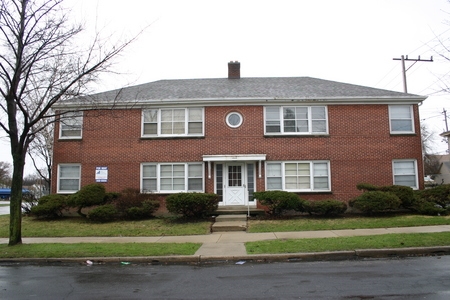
{"type": "Point", "coordinates": [234, 119]}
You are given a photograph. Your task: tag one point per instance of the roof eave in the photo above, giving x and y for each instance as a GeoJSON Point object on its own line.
{"type": "Point", "coordinates": [133, 103]}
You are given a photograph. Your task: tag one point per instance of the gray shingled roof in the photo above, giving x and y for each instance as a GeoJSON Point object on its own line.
{"type": "Point", "coordinates": [303, 88]}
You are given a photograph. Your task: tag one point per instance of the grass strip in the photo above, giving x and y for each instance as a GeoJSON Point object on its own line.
{"type": "Point", "coordinates": [53, 250]}
{"type": "Point", "coordinates": [306, 223]}
{"type": "Point", "coordinates": [77, 226]}
{"type": "Point", "coordinates": [349, 243]}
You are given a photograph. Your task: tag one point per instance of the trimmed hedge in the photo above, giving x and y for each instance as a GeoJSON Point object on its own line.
{"type": "Point", "coordinates": [192, 205]}
{"type": "Point", "coordinates": [88, 195]}
{"type": "Point", "coordinates": [134, 205]}
{"type": "Point", "coordinates": [103, 213]}
{"type": "Point", "coordinates": [376, 201]}
{"type": "Point", "coordinates": [50, 206]}
{"type": "Point", "coordinates": [278, 202]}
{"type": "Point", "coordinates": [324, 207]}
{"type": "Point", "coordinates": [404, 193]}
{"type": "Point", "coordinates": [433, 201]}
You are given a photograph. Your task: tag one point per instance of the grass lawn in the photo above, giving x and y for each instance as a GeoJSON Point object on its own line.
{"type": "Point", "coordinates": [77, 226]}
{"type": "Point", "coordinates": [97, 250]}
{"type": "Point", "coordinates": [307, 223]}
{"type": "Point", "coordinates": [350, 243]}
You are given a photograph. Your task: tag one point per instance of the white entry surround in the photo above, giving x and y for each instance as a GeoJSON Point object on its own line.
{"type": "Point", "coordinates": [234, 177]}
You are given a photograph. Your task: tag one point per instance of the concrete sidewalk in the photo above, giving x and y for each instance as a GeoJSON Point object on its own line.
{"type": "Point", "coordinates": [230, 245]}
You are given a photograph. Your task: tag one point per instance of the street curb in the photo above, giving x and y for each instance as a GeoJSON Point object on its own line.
{"type": "Point", "coordinates": [253, 258]}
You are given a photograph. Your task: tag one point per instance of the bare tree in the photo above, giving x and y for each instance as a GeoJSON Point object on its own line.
{"type": "Point", "coordinates": [41, 64]}
{"type": "Point", "coordinates": [41, 151]}
{"type": "Point", "coordinates": [5, 173]}
{"type": "Point", "coordinates": [427, 139]}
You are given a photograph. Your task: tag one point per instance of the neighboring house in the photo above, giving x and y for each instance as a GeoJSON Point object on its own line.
{"type": "Point", "coordinates": [442, 174]}
{"type": "Point", "coordinates": [233, 136]}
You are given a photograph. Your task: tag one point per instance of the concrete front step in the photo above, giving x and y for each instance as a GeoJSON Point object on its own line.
{"type": "Point", "coordinates": [226, 218]}
{"type": "Point", "coordinates": [226, 223]}
{"type": "Point", "coordinates": [228, 226]}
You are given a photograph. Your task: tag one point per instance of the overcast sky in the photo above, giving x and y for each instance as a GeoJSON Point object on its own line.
{"type": "Point", "coordinates": [350, 41]}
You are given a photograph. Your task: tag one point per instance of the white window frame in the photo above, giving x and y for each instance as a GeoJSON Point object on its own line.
{"type": "Point", "coordinates": [415, 174]}
{"type": "Point", "coordinates": [159, 122]}
{"type": "Point", "coordinates": [311, 175]}
{"type": "Point", "coordinates": [158, 177]}
{"type": "Point", "coordinates": [231, 114]}
{"type": "Point", "coordinates": [71, 119]}
{"type": "Point", "coordinates": [59, 190]}
{"type": "Point", "coordinates": [309, 120]}
{"type": "Point", "coordinates": [411, 119]}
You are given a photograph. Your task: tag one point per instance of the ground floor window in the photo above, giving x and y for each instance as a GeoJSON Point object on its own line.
{"type": "Point", "coordinates": [298, 176]}
{"type": "Point", "coordinates": [69, 177]}
{"type": "Point", "coordinates": [405, 172]}
{"type": "Point", "coordinates": [172, 177]}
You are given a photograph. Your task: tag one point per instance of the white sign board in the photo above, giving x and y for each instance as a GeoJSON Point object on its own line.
{"type": "Point", "coordinates": [101, 174]}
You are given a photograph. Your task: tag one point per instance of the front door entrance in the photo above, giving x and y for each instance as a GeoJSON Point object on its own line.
{"type": "Point", "coordinates": [235, 188]}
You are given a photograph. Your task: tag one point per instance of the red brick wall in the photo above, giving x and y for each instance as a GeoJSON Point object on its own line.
{"type": "Point", "coordinates": [359, 146]}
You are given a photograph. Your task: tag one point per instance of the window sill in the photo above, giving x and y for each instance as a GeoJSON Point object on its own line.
{"type": "Point", "coordinates": [403, 134]}
{"type": "Point", "coordinates": [296, 135]}
{"type": "Point", "coordinates": [171, 137]}
{"type": "Point", "coordinates": [70, 139]}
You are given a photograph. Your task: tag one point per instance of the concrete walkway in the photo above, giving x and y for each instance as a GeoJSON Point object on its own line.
{"type": "Point", "coordinates": [231, 244]}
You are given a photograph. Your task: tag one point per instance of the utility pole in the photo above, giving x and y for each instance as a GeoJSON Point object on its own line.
{"type": "Point", "coordinates": [415, 60]}
{"type": "Point", "coordinates": [444, 112]}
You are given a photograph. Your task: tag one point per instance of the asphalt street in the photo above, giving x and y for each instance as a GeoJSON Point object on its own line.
{"type": "Point", "coordinates": [394, 278]}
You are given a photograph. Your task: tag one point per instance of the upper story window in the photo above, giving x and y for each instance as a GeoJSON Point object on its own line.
{"type": "Point", "coordinates": [70, 125]}
{"type": "Point", "coordinates": [298, 176]}
{"type": "Point", "coordinates": [172, 177]}
{"type": "Point", "coordinates": [172, 122]}
{"type": "Point", "coordinates": [401, 118]}
{"type": "Point", "coordinates": [295, 120]}
{"type": "Point", "coordinates": [69, 177]}
{"type": "Point", "coordinates": [234, 119]}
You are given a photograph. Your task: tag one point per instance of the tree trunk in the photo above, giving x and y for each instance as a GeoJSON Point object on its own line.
{"type": "Point", "coordinates": [15, 224]}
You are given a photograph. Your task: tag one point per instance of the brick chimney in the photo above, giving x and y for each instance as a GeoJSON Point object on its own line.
{"type": "Point", "coordinates": [234, 70]}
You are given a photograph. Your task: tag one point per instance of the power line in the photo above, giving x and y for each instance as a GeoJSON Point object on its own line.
{"type": "Point", "coordinates": [415, 60]}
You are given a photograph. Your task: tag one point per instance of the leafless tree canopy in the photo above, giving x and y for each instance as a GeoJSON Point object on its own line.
{"type": "Point", "coordinates": [5, 173]}
{"type": "Point", "coordinates": [41, 63]}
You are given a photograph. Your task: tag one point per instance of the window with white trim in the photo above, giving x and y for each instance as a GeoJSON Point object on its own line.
{"type": "Point", "coordinates": [405, 172]}
{"type": "Point", "coordinates": [401, 118]}
{"type": "Point", "coordinates": [298, 176]}
{"type": "Point", "coordinates": [70, 125]}
{"type": "Point", "coordinates": [172, 122]}
{"type": "Point", "coordinates": [69, 178]}
{"type": "Point", "coordinates": [295, 120]}
{"type": "Point", "coordinates": [172, 177]}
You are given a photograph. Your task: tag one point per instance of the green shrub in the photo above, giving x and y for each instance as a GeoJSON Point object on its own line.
{"type": "Point", "coordinates": [134, 205]}
{"type": "Point", "coordinates": [103, 213]}
{"type": "Point", "coordinates": [366, 187]}
{"type": "Point", "coordinates": [50, 206]}
{"type": "Point", "coordinates": [324, 207]}
{"type": "Point", "coordinates": [144, 211]}
{"type": "Point", "coordinates": [404, 193]}
{"type": "Point", "coordinates": [375, 201]}
{"type": "Point", "coordinates": [111, 196]}
{"type": "Point", "coordinates": [279, 202]}
{"type": "Point", "coordinates": [433, 201]}
{"type": "Point", "coordinates": [424, 207]}
{"type": "Point", "coordinates": [192, 205]}
{"type": "Point", "coordinates": [439, 195]}
{"type": "Point", "coordinates": [89, 195]}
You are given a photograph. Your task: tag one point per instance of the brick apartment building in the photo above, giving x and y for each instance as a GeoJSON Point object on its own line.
{"type": "Point", "coordinates": [233, 136]}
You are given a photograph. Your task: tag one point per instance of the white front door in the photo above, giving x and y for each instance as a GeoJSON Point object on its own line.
{"type": "Point", "coordinates": [234, 184]}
